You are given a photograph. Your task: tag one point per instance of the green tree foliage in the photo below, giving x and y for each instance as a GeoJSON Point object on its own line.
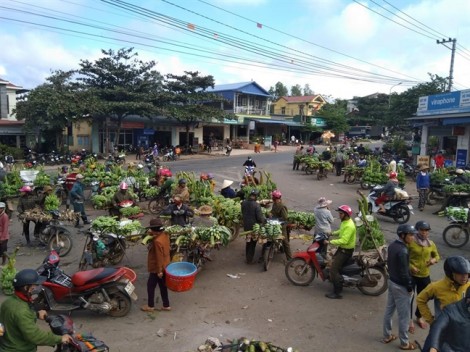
{"type": "Point", "coordinates": [119, 85]}
{"type": "Point", "coordinates": [279, 90]}
{"type": "Point", "coordinates": [296, 91]}
{"type": "Point", "coordinates": [185, 100]}
{"type": "Point", "coordinates": [372, 110]}
{"type": "Point", "coordinates": [308, 90]}
{"type": "Point", "coordinates": [335, 116]}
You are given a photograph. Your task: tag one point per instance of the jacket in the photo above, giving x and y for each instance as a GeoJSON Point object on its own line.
{"type": "Point", "coordinates": [251, 214]}
{"type": "Point", "coordinates": [179, 216]}
{"type": "Point", "coordinates": [121, 197]}
{"type": "Point", "coordinates": [21, 332]}
{"type": "Point", "coordinates": [347, 235]}
{"type": "Point", "coordinates": [182, 192]}
{"type": "Point", "coordinates": [76, 194]}
{"type": "Point", "coordinates": [443, 292]}
{"type": "Point", "coordinates": [159, 253]}
{"type": "Point", "coordinates": [398, 262]}
{"type": "Point", "coordinates": [423, 181]}
{"type": "Point", "coordinates": [419, 256]}
{"type": "Point", "coordinates": [279, 211]}
{"type": "Point", "coordinates": [323, 220]}
{"type": "Point", "coordinates": [4, 226]}
{"type": "Point", "coordinates": [228, 192]}
{"type": "Point", "coordinates": [26, 202]}
{"type": "Point", "coordinates": [450, 332]}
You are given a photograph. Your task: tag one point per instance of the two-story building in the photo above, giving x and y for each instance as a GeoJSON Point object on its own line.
{"type": "Point", "coordinates": [11, 130]}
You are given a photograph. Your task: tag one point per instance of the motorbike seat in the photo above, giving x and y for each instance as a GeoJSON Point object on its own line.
{"type": "Point", "coordinates": [86, 277]}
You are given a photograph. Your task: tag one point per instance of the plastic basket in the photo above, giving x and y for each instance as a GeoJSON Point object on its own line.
{"type": "Point", "coordinates": [180, 276]}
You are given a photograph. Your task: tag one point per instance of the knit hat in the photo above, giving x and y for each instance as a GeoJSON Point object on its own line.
{"type": "Point", "coordinates": [323, 202]}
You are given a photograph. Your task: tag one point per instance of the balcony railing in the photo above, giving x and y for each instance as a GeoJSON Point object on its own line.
{"type": "Point", "coordinates": [247, 110]}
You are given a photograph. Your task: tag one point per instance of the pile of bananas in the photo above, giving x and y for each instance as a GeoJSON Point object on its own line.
{"type": "Point", "coordinates": [243, 345]}
{"type": "Point", "coordinates": [270, 232]}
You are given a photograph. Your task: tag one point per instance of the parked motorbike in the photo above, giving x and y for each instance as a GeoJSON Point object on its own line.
{"type": "Point", "coordinates": [102, 249]}
{"type": "Point", "coordinates": [302, 269]}
{"type": "Point", "coordinates": [398, 209]}
{"type": "Point", "coordinates": [436, 192]}
{"type": "Point", "coordinates": [270, 248]}
{"type": "Point", "coordinates": [120, 158]}
{"type": "Point", "coordinates": [55, 235]}
{"type": "Point", "coordinates": [105, 290]}
{"type": "Point", "coordinates": [456, 235]}
{"type": "Point", "coordinates": [63, 324]}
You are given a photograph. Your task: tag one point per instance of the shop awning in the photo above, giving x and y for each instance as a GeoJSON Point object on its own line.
{"type": "Point", "coordinates": [440, 117]}
{"type": "Point", "coordinates": [456, 121]}
{"type": "Point", "coordinates": [279, 122]}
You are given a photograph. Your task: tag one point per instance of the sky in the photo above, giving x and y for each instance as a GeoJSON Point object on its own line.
{"type": "Point", "coordinates": [340, 48]}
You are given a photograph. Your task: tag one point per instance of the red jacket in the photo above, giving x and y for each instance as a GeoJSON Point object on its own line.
{"type": "Point", "coordinates": [70, 180]}
{"type": "Point", "coordinates": [4, 224]}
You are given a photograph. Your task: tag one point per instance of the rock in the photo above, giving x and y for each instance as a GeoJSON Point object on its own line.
{"type": "Point", "coordinates": [161, 332]}
{"type": "Point", "coordinates": [213, 342]}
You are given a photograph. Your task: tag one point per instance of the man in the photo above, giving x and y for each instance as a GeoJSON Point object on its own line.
{"type": "Point", "coordinates": [346, 243]}
{"type": "Point", "coordinates": [439, 160]}
{"type": "Point", "coordinates": [19, 319]}
{"type": "Point", "coordinates": [279, 212]}
{"type": "Point", "coordinates": [251, 214]}
{"type": "Point", "coordinates": [461, 178]}
{"type": "Point", "coordinates": [400, 287]}
{"type": "Point", "coordinates": [323, 216]}
{"type": "Point", "coordinates": [182, 191]}
{"type": "Point", "coordinates": [69, 182]}
{"type": "Point", "coordinates": [179, 212]}
{"type": "Point", "coordinates": [77, 199]}
{"type": "Point", "coordinates": [450, 331]}
{"type": "Point", "coordinates": [27, 202]}
{"type": "Point", "coordinates": [448, 290]}
{"type": "Point", "coordinates": [204, 218]}
{"type": "Point", "coordinates": [249, 162]}
{"type": "Point", "coordinates": [298, 153]}
{"type": "Point", "coordinates": [423, 184]}
{"type": "Point", "coordinates": [46, 191]}
{"type": "Point", "coordinates": [339, 162]}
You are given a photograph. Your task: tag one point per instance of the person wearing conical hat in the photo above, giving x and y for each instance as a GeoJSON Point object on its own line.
{"type": "Point", "coordinates": [226, 190]}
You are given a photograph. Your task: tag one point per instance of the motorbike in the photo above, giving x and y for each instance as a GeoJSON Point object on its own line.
{"type": "Point", "coordinates": [398, 209]}
{"type": "Point", "coordinates": [456, 235]}
{"type": "Point", "coordinates": [436, 192]}
{"type": "Point", "coordinates": [105, 290]}
{"type": "Point", "coordinates": [151, 163]}
{"type": "Point", "coordinates": [228, 150]}
{"type": "Point", "coordinates": [249, 171]}
{"type": "Point", "coordinates": [270, 248]}
{"type": "Point", "coordinates": [63, 324]}
{"type": "Point", "coordinates": [120, 158]}
{"type": "Point", "coordinates": [169, 155]}
{"type": "Point", "coordinates": [157, 204]}
{"type": "Point", "coordinates": [102, 249]}
{"type": "Point", "coordinates": [9, 162]}
{"type": "Point", "coordinates": [55, 235]}
{"type": "Point", "coordinates": [301, 270]}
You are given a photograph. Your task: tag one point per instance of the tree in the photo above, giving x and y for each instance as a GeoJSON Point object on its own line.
{"type": "Point", "coordinates": [296, 91]}
{"type": "Point", "coordinates": [185, 100]}
{"type": "Point", "coordinates": [279, 90]}
{"type": "Point", "coordinates": [120, 85]}
{"type": "Point", "coordinates": [373, 110]}
{"type": "Point", "coordinates": [51, 107]}
{"type": "Point", "coordinates": [308, 90]}
{"type": "Point", "coordinates": [335, 116]}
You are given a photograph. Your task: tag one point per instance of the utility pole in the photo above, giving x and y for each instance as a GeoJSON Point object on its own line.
{"type": "Point", "coordinates": [451, 73]}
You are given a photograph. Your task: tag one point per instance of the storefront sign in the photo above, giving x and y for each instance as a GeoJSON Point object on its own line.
{"type": "Point", "coordinates": [423, 160]}
{"type": "Point", "coordinates": [461, 158]}
{"type": "Point", "coordinates": [445, 101]}
{"type": "Point", "coordinates": [458, 131]}
{"type": "Point", "coordinates": [149, 131]}
{"type": "Point", "coordinates": [132, 125]}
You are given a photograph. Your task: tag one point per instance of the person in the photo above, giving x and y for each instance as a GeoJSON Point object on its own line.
{"type": "Point", "coordinates": [69, 182]}
{"type": "Point", "coordinates": [166, 182]}
{"type": "Point", "coordinates": [423, 254]}
{"type": "Point", "coordinates": [447, 290]}
{"type": "Point", "coordinates": [227, 191]}
{"type": "Point", "coordinates": [293, 139]}
{"type": "Point", "coordinates": [439, 160]}
{"type": "Point", "coordinates": [276, 143]}
{"type": "Point", "coordinates": [461, 178]}
{"type": "Point", "coordinates": [158, 259]}
{"type": "Point", "coordinates": [251, 215]}
{"type": "Point", "coordinates": [423, 183]}
{"type": "Point", "coordinates": [346, 242]}
{"type": "Point", "coordinates": [204, 218]}
{"type": "Point", "coordinates": [179, 212]}
{"type": "Point", "coordinates": [388, 192]}
{"type": "Point", "coordinates": [19, 318]}
{"type": "Point", "coordinates": [41, 202]}
{"type": "Point", "coordinates": [208, 180]}
{"type": "Point", "coordinates": [450, 331]}
{"type": "Point", "coordinates": [400, 287]}
{"type": "Point", "coordinates": [299, 151]}
{"type": "Point", "coordinates": [279, 211]}
{"type": "Point", "coordinates": [155, 151]}
{"type": "Point", "coordinates": [362, 162]}
{"type": "Point", "coordinates": [323, 216]}
{"type": "Point", "coordinates": [77, 200]}
{"type": "Point", "coordinates": [120, 196]}
{"type": "Point", "coordinates": [4, 232]}
{"type": "Point", "coordinates": [249, 162]}
{"type": "Point", "coordinates": [339, 162]}
{"type": "Point", "coordinates": [27, 202]}
{"type": "Point", "coordinates": [182, 191]}
{"type": "Point", "coordinates": [138, 153]}
{"type": "Point", "coordinates": [326, 154]}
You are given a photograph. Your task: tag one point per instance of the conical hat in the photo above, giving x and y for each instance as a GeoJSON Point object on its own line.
{"type": "Point", "coordinates": [226, 184]}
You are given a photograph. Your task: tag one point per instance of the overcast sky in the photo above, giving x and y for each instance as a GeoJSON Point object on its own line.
{"type": "Point", "coordinates": [341, 48]}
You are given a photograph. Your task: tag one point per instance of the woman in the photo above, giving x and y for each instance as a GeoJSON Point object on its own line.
{"type": "Point", "coordinates": [423, 253]}
{"type": "Point", "coordinates": [323, 216]}
{"type": "Point", "coordinates": [4, 232]}
{"type": "Point", "coordinates": [423, 183]}
{"type": "Point", "coordinates": [157, 260]}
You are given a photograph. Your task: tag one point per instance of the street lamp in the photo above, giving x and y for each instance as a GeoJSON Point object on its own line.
{"type": "Point", "coordinates": [390, 94]}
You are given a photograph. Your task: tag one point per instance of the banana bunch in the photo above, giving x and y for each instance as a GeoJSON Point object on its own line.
{"type": "Point", "coordinates": [245, 345]}
{"type": "Point", "coordinates": [227, 211]}
{"type": "Point", "coordinates": [271, 232]}
{"type": "Point", "coordinates": [213, 235]}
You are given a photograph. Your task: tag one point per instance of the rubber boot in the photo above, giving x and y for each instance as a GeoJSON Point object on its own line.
{"type": "Point", "coordinates": [250, 251]}
{"type": "Point", "coordinates": [85, 220]}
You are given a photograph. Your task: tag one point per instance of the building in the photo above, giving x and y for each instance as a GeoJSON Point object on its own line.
{"type": "Point", "coordinates": [11, 130]}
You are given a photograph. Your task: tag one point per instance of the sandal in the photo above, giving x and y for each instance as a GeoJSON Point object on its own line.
{"type": "Point", "coordinates": [408, 347]}
{"type": "Point", "coordinates": [167, 309]}
{"type": "Point", "coordinates": [389, 339]}
{"type": "Point", "coordinates": [147, 308]}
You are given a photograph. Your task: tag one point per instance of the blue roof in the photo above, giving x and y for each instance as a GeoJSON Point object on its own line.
{"type": "Point", "coordinates": [242, 87]}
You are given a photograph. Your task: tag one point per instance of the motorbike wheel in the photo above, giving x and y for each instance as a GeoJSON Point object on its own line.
{"type": "Point", "coordinates": [321, 175]}
{"type": "Point", "coordinates": [365, 185]}
{"type": "Point", "coordinates": [350, 179]}
{"type": "Point", "coordinates": [455, 235]}
{"type": "Point", "coordinates": [308, 170]}
{"type": "Point", "coordinates": [268, 256]}
{"type": "Point", "coordinates": [63, 241]}
{"type": "Point", "coordinates": [378, 274]}
{"type": "Point", "coordinates": [299, 272]}
{"type": "Point", "coordinates": [121, 304]}
{"type": "Point", "coordinates": [235, 232]}
{"type": "Point", "coordinates": [117, 254]}
{"type": "Point", "coordinates": [431, 198]}
{"type": "Point", "coordinates": [402, 214]}
{"type": "Point", "coordinates": [156, 205]}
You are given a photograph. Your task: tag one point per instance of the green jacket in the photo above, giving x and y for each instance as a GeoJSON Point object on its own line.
{"type": "Point", "coordinates": [419, 256]}
{"type": "Point", "coordinates": [21, 332]}
{"type": "Point", "coordinates": [347, 235]}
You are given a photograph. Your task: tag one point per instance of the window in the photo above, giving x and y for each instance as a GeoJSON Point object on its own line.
{"type": "Point", "coordinates": [83, 140]}
{"type": "Point", "coordinates": [283, 111]}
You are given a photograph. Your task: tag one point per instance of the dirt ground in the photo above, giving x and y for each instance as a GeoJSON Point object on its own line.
{"type": "Point", "coordinates": [258, 305]}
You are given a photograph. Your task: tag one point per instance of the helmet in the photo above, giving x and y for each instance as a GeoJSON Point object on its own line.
{"type": "Point", "coordinates": [392, 175]}
{"type": "Point", "coordinates": [165, 172]}
{"type": "Point", "coordinates": [456, 264]}
{"type": "Point", "coordinates": [345, 209]}
{"type": "Point", "coordinates": [276, 194]}
{"type": "Point", "coordinates": [204, 177]}
{"type": "Point", "coordinates": [254, 192]}
{"type": "Point", "coordinates": [140, 166]}
{"type": "Point", "coordinates": [182, 181]}
{"type": "Point", "coordinates": [249, 158]}
{"type": "Point", "coordinates": [27, 277]}
{"type": "Point", "coordinates": [422, 225]}
{"type": "Point", "coordinates": [123, 185]}
{"type": "Point", "coordinates": [25, 189]}
{"type": "Point", "coordinates": [404, 229]}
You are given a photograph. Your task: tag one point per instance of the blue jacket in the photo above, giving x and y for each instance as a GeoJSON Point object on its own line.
{"type": "Point", "coordinates": [423, 181]}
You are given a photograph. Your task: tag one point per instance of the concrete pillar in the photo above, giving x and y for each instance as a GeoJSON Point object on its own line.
{"type": "Point", "coordinates": [463, 143]}
{"type": "Point", "coordinates": [424, 140]}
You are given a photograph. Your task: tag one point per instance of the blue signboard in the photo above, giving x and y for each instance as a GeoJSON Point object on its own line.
{"type": "Point", "coordinates": [461, 158]}
{"type": "Point", "coordinates": [149, 131]}
{"type": "Point", "coordinates": [445, 101]}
